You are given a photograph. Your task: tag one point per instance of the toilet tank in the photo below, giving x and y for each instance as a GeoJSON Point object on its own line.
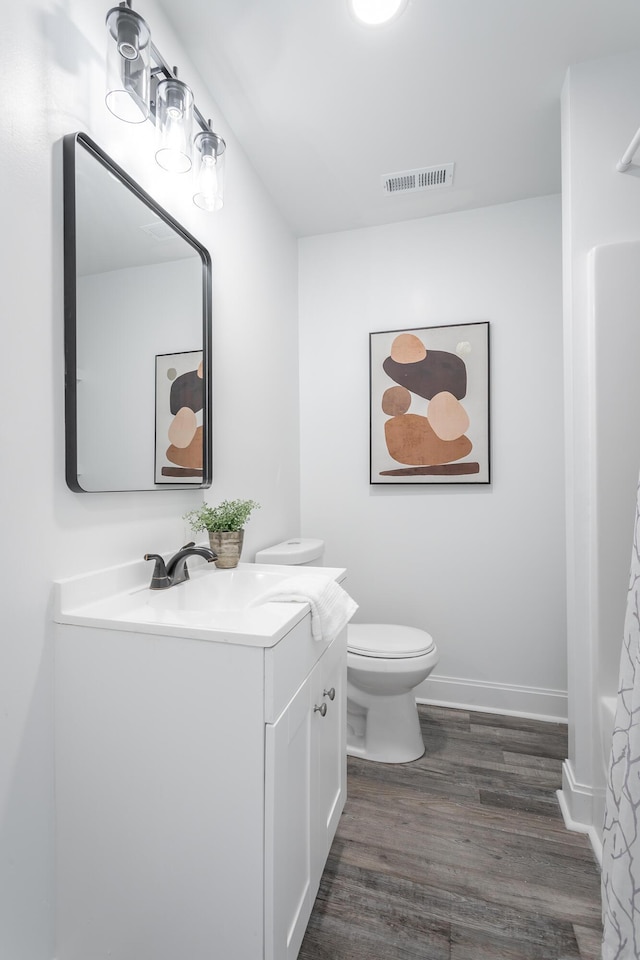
{"type": "Point", "coordinates": [300, 551]}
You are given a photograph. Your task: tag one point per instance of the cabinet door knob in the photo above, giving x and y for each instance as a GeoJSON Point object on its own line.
{"type": "Point", "coordinates": [322, 709]}
{"type": "Point", "coordinates": [331, 693]}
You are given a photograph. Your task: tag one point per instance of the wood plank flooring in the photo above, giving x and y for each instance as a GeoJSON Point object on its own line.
{"type": "Point", "coordinates": [461, 855]}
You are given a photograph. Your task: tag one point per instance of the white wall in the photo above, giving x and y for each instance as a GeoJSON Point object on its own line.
{"type": "Point", "coordinates": [52, 59]}
{"type": "Point", "coordinates": [600, 207]}
{"type": "Point", "coordinates": [480, 567]}
{"type": "Point", "coordinates": [136, 306]}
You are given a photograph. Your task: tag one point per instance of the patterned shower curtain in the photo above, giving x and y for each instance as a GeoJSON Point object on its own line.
{"type": "Point", "coordinates": [621, 838]}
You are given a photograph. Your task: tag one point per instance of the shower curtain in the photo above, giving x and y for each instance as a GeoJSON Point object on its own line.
{"type": "Point", "coordinates": [621, 837]}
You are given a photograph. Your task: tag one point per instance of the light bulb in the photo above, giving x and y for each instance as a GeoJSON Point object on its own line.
{"type": "Point", "coordinates": [375, 12]}
{"type": "Point", "coordinates": [128, 38]}
{"type": "Point", "coordinates": [209, 188]}
{"type": "Point", "coordinates": [174, 117]}
{"type": "Point", "coordinates": [128, 65]}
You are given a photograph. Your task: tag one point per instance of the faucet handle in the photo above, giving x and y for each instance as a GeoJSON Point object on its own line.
{"type": "Point", "coordinates": [159, 580]}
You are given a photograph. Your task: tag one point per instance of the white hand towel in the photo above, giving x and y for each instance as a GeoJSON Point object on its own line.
{"type": "Point", "coordinates": [331, 606]}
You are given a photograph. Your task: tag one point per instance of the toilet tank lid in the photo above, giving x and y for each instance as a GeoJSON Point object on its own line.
{"type": "Point", "coordinates": [296, 550]}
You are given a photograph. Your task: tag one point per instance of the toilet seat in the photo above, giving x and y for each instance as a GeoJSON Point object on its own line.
{"type": "Point", "coordinates": [388, 641]}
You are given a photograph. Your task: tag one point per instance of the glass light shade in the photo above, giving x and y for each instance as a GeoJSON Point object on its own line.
{"type": "Point", "coordinates": [174, 120]}
{"type": "Point", "coordinates": [210, 153]}
{"type": "Point", "coordinates": [128, 65]}
{"type": "Point", "coordinates": [374, 12]}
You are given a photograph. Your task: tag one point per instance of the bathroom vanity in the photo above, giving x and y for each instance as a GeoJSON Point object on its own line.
{"type": "Point", "coordinates": [200, 766]}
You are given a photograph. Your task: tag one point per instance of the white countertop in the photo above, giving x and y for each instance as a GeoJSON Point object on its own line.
{"type": "Point", "coordinates": [211, 605]}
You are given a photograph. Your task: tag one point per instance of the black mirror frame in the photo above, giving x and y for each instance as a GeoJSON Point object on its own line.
{"type": "Point", "coordinates": [70, 141]}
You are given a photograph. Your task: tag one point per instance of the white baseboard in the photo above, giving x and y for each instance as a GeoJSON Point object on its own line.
{"type": "Point", "coordinates": [577, 797]}
{"type": "Point", "coordinates": [533, 702]}
{"type": "Point", "coordinates": [576, 803]}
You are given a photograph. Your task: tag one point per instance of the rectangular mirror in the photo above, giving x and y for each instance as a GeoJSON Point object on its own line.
{"type": "Point", "coordinates": [137, 318]}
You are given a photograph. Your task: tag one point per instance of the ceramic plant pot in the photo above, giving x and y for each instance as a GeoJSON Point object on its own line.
{"type": "Point", "coordinates": [227, 545]}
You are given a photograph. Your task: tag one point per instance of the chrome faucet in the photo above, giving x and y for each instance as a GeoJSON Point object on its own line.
{"type": "Point", "coordinates": [176, 570]}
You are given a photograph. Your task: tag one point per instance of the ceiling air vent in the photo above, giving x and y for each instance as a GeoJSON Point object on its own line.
{"type": "Point", "coordinates": [426, 178]}
{"type": "Point", "coordinates": [159, 230]}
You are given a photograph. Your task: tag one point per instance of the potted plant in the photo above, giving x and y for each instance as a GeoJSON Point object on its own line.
{"type": "Point", "coordinates": [225, 525]}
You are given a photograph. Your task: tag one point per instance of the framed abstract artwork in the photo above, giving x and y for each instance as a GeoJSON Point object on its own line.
{"type": "Point", "coordinates": [429, 394]}
{"type": "Point", "coordinates": [180, 397]}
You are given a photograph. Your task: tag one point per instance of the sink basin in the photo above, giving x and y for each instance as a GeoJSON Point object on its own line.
{"type": "Point", "coordinates": [213, 590]}
{"type": "Point", "coordinates": [213, 605]}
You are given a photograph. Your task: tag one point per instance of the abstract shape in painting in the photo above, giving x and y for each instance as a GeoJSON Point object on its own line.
{"type": "Point", "coordinates": [438, 371]}
{"type": "Point", "coordinates": [187, 391]}
{"type": "Point", "coordinates": [189, 456]}
{"type": "Point", "coordinates": [183, 427]}
{"type": "Point", "coordinates": [447, 416]}
{"type": "Point", "coordinates": [411, 439]}
{"type": "Point", "coordinates": [396, 400]}
{"type": "Point", "coordinates": [407, 348]}
{"type": "Point", "coordinates": [436, 470]}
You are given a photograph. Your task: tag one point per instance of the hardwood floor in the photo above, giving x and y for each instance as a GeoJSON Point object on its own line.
{"type": "Point", "coordinates": [461, 855]}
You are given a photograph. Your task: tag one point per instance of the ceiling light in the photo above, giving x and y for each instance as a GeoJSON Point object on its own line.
{"type": "Point", "coordinates": [374, 12]}
{"type": "Point", "coordinates": [141, 85]}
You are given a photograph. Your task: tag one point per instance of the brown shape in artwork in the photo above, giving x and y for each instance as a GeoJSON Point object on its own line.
{"type": "Point", "coordinates": [395, 401]}
{"type": "Point", "coordinates": [181, 472]}
{"type": "Point", "coordinates": [190, 456]}
{"type": "Point", "coordinates": [447, 416]}
{"type": "Point", "coordinates": [411, 439]}
{"type": "Point", "coordinates": [182, 428]}
{"type": "Point", "coordinates": [439, 371]}
{"type": "Point", "coordinates": [437, 470]}
{"type": "Point", "coordinates": [187, 390]}
{"type": "Point", "coordinates": [407, 348]}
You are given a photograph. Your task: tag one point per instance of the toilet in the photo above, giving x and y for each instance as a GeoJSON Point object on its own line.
{"type": "Point", "coordinates": [385, 663]}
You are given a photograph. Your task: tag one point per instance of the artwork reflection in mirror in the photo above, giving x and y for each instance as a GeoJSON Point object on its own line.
{"type": "Point", "coordinates": [137, 335]}
{"type": "Point", "coordinates": [179, 407]}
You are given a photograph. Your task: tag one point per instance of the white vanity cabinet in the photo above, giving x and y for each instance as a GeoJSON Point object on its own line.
{"type": "Point", "coordinates": [199, 784]}
{"type": "Point", "coordinates": [305, 792]}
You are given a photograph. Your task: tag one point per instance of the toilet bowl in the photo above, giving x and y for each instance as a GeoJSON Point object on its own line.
{"type": "Point", "coordinates": [385, 663]}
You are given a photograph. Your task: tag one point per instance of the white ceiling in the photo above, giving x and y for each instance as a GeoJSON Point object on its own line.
{"type": "Point", "coordinates": [114, 228]}
{"type": "Point", "coordinates": [324, 106]}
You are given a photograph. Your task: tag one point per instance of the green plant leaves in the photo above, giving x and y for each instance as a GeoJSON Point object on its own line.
{"type": "Point", "coordinates": [227, 515]}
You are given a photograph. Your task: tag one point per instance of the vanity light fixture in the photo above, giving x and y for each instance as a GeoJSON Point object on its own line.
{"type": "Point", "coordinates": [128, 65]}
{"type": "Point", "coordinates": [375, 12]}
{"type": "Point", "coordinates": [174, 119]}
{"type": "Point", "coordinates": [209, 170]}
{"type": "Point", "coordinates": [141, 86]}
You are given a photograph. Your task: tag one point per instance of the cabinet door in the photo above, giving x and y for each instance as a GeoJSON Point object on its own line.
{"type": "Point", "coordinates": [289, 885]}
{"type": "Point", "coordinates": [329, 772]}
